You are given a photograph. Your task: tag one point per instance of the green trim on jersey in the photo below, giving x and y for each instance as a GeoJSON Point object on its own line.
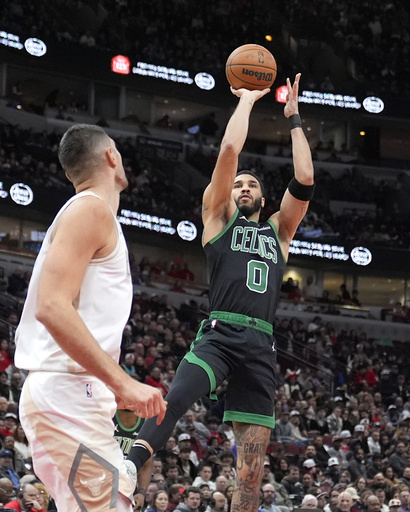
{"type": "Point", "coordinates": [225, 229]}
{"type": "Point", "coordinates": [127, 429]}
{"type": "Point", "coordinates": [245, 321]}
{"type": "Point", "coordinates": [246, 417]}
{"type": "Point", "coordinates": [193, 359]}
{"type": "Point", "coordinates": [272, 224]}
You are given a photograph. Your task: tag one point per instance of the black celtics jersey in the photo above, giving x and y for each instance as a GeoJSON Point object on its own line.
{"type": "Point", "coordinates": [245, 265]}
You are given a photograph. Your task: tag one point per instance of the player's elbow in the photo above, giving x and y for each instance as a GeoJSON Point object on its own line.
{"type": "Point", "coordinates": [45, 311]}
{"type": "Point", "coordinates": [228, 148]}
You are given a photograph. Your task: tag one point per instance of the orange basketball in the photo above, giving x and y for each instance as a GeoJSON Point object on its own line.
{"type": "Point", "coordinates": [251, 66]}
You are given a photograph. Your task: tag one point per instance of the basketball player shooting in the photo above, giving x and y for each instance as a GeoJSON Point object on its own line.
{"type": "Point", "coordinates": [246, 260]}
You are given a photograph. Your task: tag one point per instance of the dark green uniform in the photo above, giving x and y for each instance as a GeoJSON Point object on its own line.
{"type": "Point", "coordinates": [246, 266]}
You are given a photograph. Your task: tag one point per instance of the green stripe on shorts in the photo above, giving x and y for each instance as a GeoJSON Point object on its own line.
{"type": "Point", "coordinates": [248, 417]}
{"type": "Point", "coordinates": [193, 359]}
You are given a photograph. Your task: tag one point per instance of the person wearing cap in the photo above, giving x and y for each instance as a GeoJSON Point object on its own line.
{"type": "Point", "coordinates": [394, 505]}
{"type": "Point", "coordinates": [298, 436]}
{"type": "Point", "coordinates": [356, 498]}
{"type": "Point", "coordinates": [197, 450]}
{"type": "Point", "coordinates": [310, 469]}
{"type": "Point", "coordinates": [333, 465]}
{"type": "Point", "coordinates": [359, 439]}
{"type": "Point", "coordinates": [10, 424]}
{"type": "Point", "coordinates": [335, 451]}
{"type": "Point", "coordinates": [345, 436]}
{"type": "Point", "coordinates": [398, 459]}
{"type": "Point", "coordinates": [6, 467]}
{"type": "Point", "coordinates": [18, 461]}
{"type": "Point", "coordinates": [322, 498]}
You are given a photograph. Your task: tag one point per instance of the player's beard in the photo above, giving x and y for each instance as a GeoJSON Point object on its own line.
{"type": "Point", "coordinates": [248, 210]}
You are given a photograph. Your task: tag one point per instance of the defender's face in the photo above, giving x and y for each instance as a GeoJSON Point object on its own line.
{"type": "Point", "coordinates": [247, 194]}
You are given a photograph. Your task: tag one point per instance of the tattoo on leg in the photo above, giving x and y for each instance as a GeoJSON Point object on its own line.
{"type": "Point", "coordinates": [251, 443]}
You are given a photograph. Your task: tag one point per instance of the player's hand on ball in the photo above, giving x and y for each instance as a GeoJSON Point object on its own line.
{"type": "Point", "coordinates": [255, 94]}
{"type": "Point", "coordinates": [291, 106]}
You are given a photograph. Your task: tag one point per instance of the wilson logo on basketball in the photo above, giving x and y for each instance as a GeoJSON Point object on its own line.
{"type": "Point", "coordinates": [259, 75]}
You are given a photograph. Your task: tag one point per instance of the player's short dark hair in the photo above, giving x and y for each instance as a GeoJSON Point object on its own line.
{"type": "Point", "coordinates": [78, 146]}
{"type": "Point", "coordinates": [257, 178]}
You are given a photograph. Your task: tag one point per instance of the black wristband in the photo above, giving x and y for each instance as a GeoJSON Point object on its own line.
{"type": "Point", "coordinates": [301, 192]}
{"type": "Point", "coordinates": [143, 492]}
{"type": "Point", "coordinates": [295, 121]}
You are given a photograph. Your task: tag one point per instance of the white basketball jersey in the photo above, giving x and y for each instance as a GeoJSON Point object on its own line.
{"type": "Point", "coordinates": [104, 305]}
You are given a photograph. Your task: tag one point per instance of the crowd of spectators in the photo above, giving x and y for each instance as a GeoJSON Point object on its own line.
{"type": "Point", "coordinates": [32, 157]}
{"type": "Point", "coordinates": [173, 34]}
{"type": "Point", "coordinates": [374, 35]}
{"type": "Point", "coordinates": [347, 404]}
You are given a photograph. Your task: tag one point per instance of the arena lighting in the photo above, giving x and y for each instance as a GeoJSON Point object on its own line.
{"type": "Point", "coordinates": [358, 255]}
{"type": "Point", "coordinates": [330, 99]}
{"type": "Point", "coordinates": [281, 93]}
{"type": "Point", "coordinates": [202, 80]}
{"type": "Point", "coordinates": [373, 104]}
{"type": "Point", "coordinates": [20, 193]}
{"type": "Point", "coordinates": [268, 37]}
{"type": "Point", "coordinates": [120, 64]}
{"type": "Point", "coordinates": [185, 229]}
{"type": "Point", "coordinates": [32, 45]}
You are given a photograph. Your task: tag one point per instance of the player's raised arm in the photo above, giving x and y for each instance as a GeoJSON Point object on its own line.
{"type": "Point", "coordinates": [300, 190]}
{"type": "Point", "coordinates": [219, 190]}
{"type": "Point", "coordinates": [217, 196]}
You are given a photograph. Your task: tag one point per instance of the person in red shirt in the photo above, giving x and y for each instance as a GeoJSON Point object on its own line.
{"type": "Point", "coordinates": [365, 374]}
{"type": "Point", "coordinates": [154, 379]}
{"type": "Point", "coordinates": [10, 425]}
{"type": "Point", "coordinates": [27, 500]}
{"type": "Point", "coordinates": [5, 360]}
